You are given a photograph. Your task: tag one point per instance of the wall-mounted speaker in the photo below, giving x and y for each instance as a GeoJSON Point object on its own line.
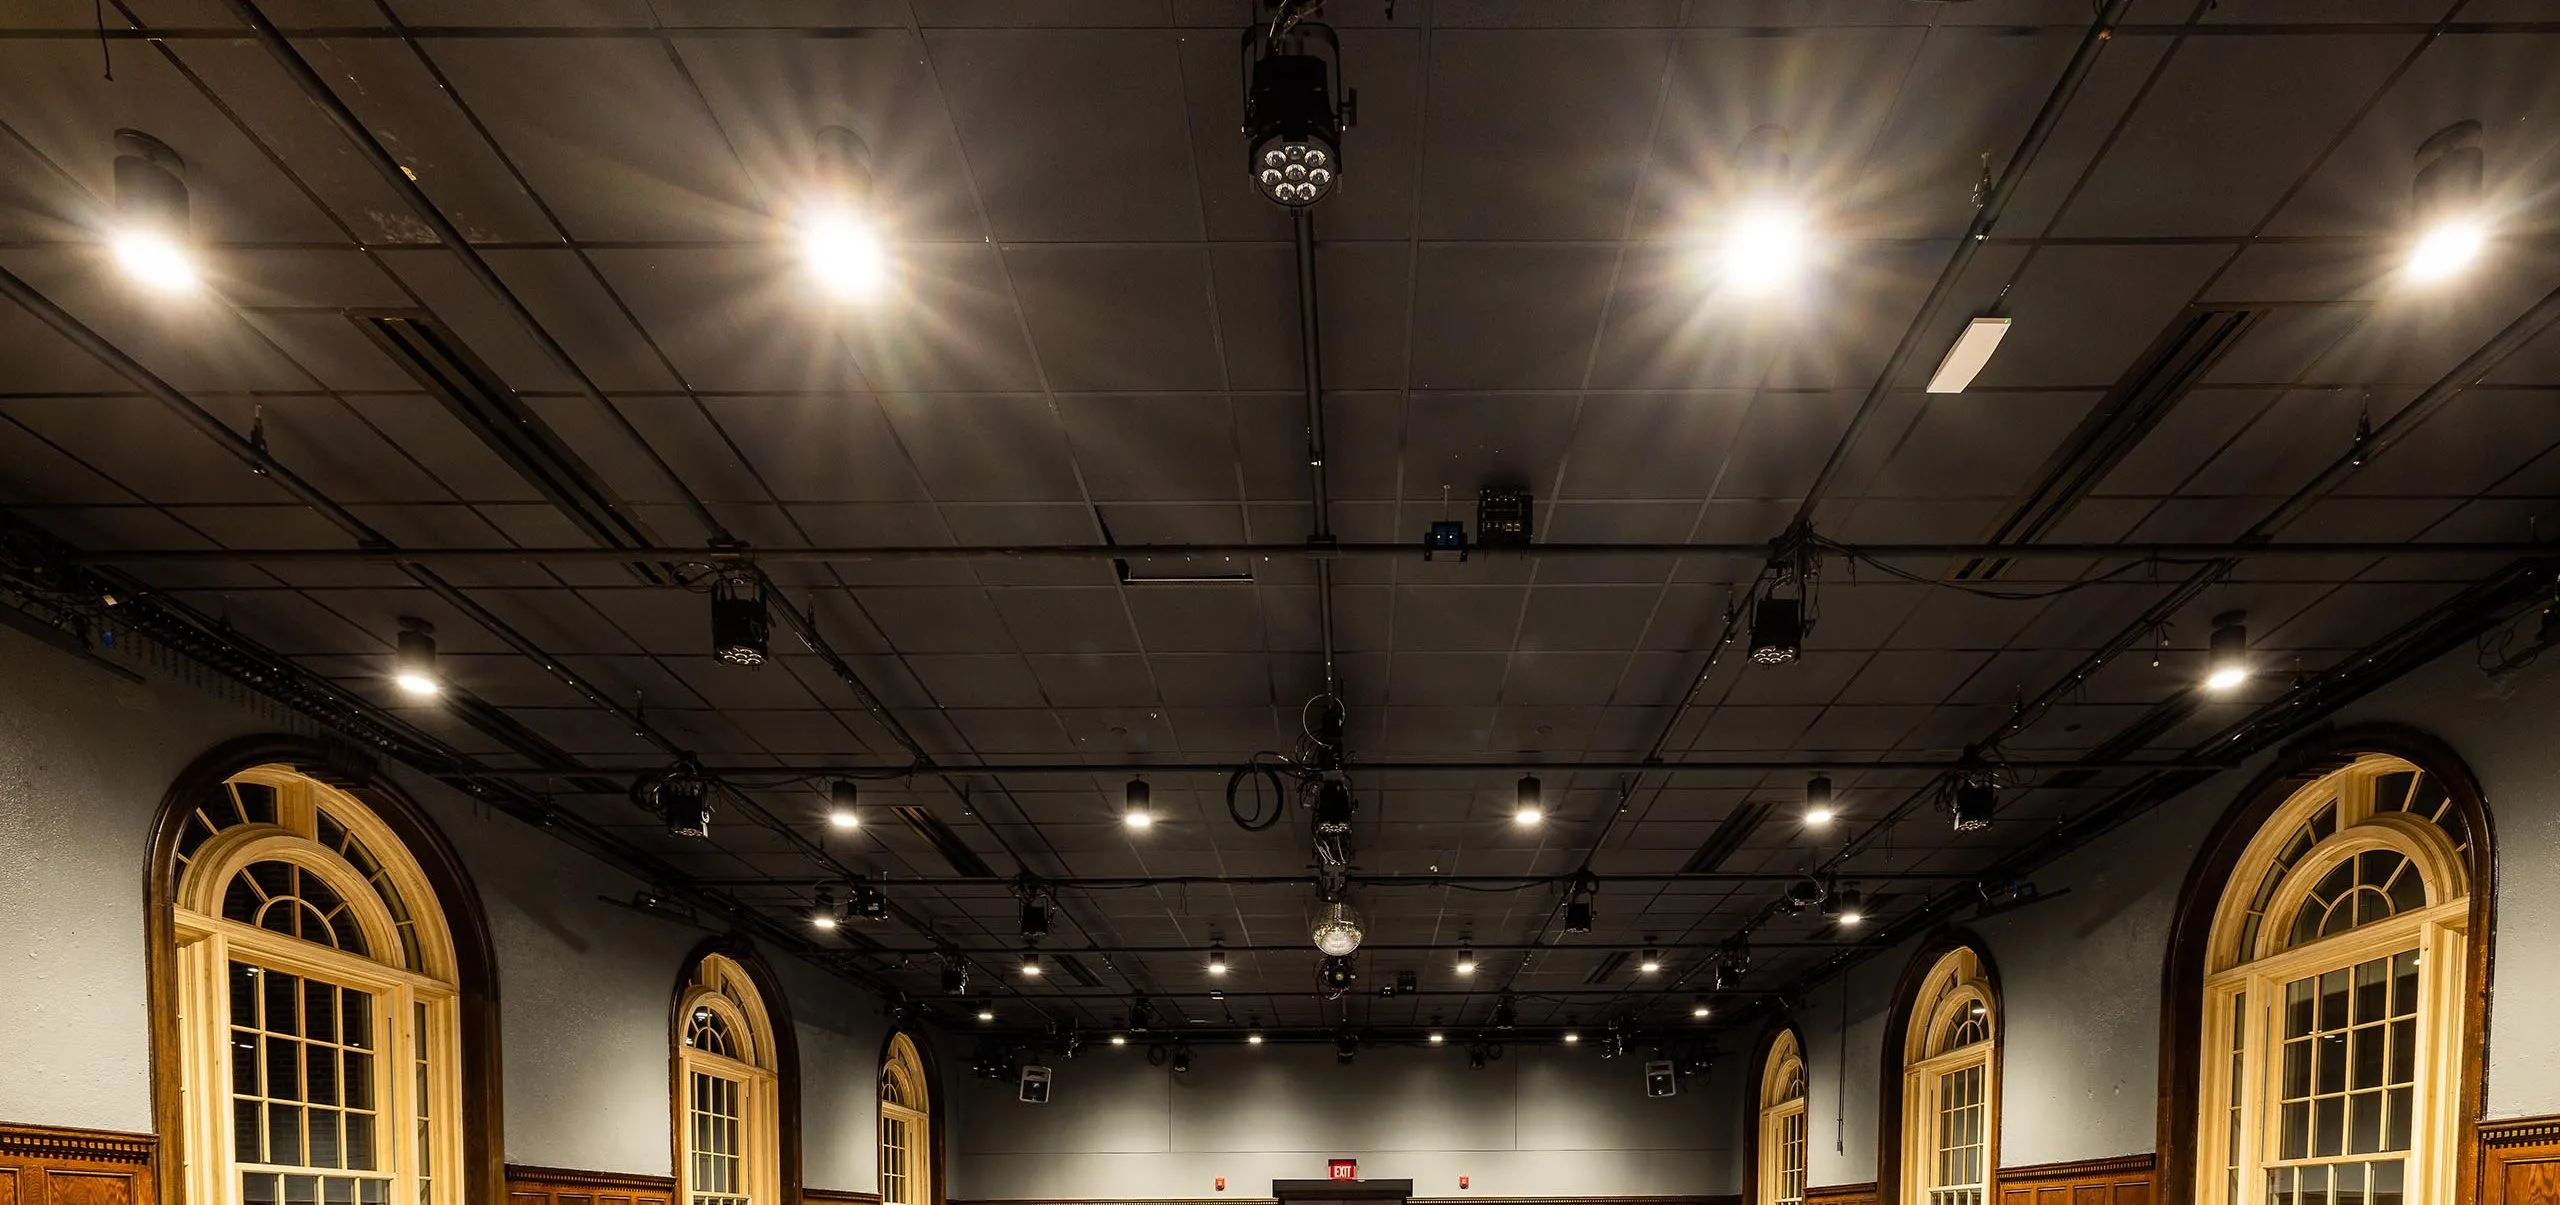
{"type": "Point", "coordinates": [1034, 1088]}
{"type": "Point", "coordinates": [1661, 1078]}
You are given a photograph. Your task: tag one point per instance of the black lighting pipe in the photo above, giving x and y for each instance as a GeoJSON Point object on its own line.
{"type": "Point", "coordinates": [398, 178]}
{"type": "Point", "coordinates": [2237, 550]}
{"type": "Point", "coordinates": [744, 773]}
{"type": "Point", "coordinates": [2048, 115]}
{"type": "Point", "coordinates": [1125, 882]}
{"type": "Point", "coordinates": [1302, 227]}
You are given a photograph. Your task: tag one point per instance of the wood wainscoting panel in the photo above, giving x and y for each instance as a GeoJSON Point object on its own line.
{"type": "Point", "coordinates": [837, 1196]}
{"type": "Point", "coordinates": [1841, 1194]}
{"type": "Point", "coordinates": [2520, 1161]}
{"type": "Point", "coordinates": [2123, 1180]}
{"type": "Point", "coordinates": [527, 1185]}
{"type": "Point", "coordinates": [53, 1165]}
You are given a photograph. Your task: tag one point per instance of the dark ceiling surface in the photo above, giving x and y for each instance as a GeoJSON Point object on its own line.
{"type": "Point", "coordinates": [1093, 337]}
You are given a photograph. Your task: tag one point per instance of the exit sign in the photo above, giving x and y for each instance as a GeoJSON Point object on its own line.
{"type": "Point", "coordinates": [1342, 1169]}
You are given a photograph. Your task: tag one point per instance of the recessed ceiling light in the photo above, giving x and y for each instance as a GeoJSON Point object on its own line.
{"type": "Point", "coordinates": [1972, 350]}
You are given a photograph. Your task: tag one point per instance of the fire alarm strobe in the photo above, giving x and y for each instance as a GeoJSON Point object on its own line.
{"type": "Point", "coordinates": [1035, 1085]}
{"type": "Point", "coordinates": [1661, 1078]}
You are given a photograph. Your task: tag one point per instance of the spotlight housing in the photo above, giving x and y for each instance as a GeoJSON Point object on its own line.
{"type": "Point", "coordinates": [1337, 929]}
{"type": "Point", "coordinates": [955, 974]}
{"type": "Point", "coordinates": [823, 915]}
{"type": "Point", "coordinates": [1031, 968]}
{"type": "Point", "coordinates": [151, 235]}
{"type": "Point", "coordinates": [1035, 916]}
{"type": "Point", "coordinates": [1346, 1047]}
{"type": "Point", "coordinates": [741, 627]}
{"type": "Point", "coordinates": [1293, 113]}
{"type": "Point", "coordinates": [841, 797]}
{"type": "Point", "coordinates": [1137, 808]}
{"type": "Point", "coordinates": [868, 903]}
{"type": "Point", "coordinates": [1217, 959]}
{"type": "Point", "coordinates": [1777, 630]}
{"type": "Point", "coordinates": [2227, 652]}
{"type": "Point", "coordinates": [680, 795]}
{"type": "Point", "coordinates": [1650, 962]}
{"type": "Point", "coordinates": [1529, 801]}
{"type": "Point", "coordinates": [1506, 1011]}
{"type": "Point", "coordinates": [1570, 1038]}
{"type": "Point", "coordinates": [413, 664]}
{"type": "Point", "coordinates": [1333, 809]}
{"type": "Point", "coordinates": [1142, 1014]}
{"type": "Point", "coordinates": [1848, 907]}
{"type": "Point", "coordinates": [986, 1012]}
{"type": "Point", "coordinates": [1817, 801]}
{"type": "Point", "coordinates": [1971, 801]}
{"type": "Point", "coordinates": [1438, 1037]}
{"type": "Point", "coordinates": [1701, 1010]}
{"type": "Point", "coordinates": [1466, 964]}
{"type": "Point", "coordinates": [2447, 203]}
{"type": "Point", "coordinates": [1119, 1039]}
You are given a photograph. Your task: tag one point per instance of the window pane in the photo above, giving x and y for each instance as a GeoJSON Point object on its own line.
{"type": "Point", "coordinates": [2329, 1125]}
{"type": "Point", "coordinates": [258, 1188]}
{"type": "Point", "coordinates": [2365, 1063]}
{"type": "Point", "coordinates": [2333, 1000]}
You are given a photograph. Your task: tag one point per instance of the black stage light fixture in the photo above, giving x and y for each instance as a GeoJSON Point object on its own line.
{"type": "Point", "coordinates": [1035, 915]}
{"type": "Point", "coordinates": [151, 239]}
{"type": "Point", "coordinates": [1528, 800]}
{"type": "Point", "coordinates": [1506, 1012]}
{"type": "Point", "coordinates": [1137, 804]}
{"type": "Point", "coordinates": [741, 627]}
{"type": "Point", "coordinates": [1181, 1059]}
{"type": "Point", "coordinates": [1142, 1014]}
{"type": "Point", "coordinates": [1335, 975]}
{"type": "Point", "coordinates": [680, 795]}
{"type": "Point", "coordinates": [1293, 116]}
{"type": "Point", "coordinates": [955, 974]}
{"type": "Point", "coordinates": [868, 903]}
{"type": "Point", "coordinates": [1478, 1054]}
{"type": "Point", "coordinates": [2227, 652]}
{"type": "Point", "coordinates": [1577, 908]}
{"type": "Point", "coordinates": [1503, 517]}
{"type": "Point", "coordinates": [1846, 907]}
{"type": "Point", "coordinates": [1407, 983]}
{"type": "Point", "coordinates": [1971, 800]}
{"type": "Point", "coordinates": [1333, 808]}
{"type": "Point", "coordinates": [843, 800]}
{"type": "Point", "coordinates": [1817, 800]}
{"type": "Point", "coordinates": [1032, 968]}
{"type": "Point", "coordinates": [1777, 630]}
{"type": "Point", "coordinates": [1445, 535]}
{"type": "Point", "coordinates": [1346, 1047]}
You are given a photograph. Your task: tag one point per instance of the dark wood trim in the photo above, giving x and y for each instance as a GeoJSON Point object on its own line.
{"type": "Point", "coordinates": [2082, 1169]}
{"type": "Point", "coordinates": [475, 958]}
{"type": "Point", "coordinates": [570, 1177]}
{"type": "Point", "coordinates": [2520, 1161]}
{"type": "Point", "coordinates": [70, 1142]}
{"type": "Point", "coordinates": [1472, 1199]}
{"type": "Point", "coordinates": [2296, 766]}
{"type": "Point", "coordinates": [935, 1114]}
{"type": "Point", "coordinates": [1843, 1194]}
{"type": "Point", "coordinates": [838, 1196]}
{"type": "Point", "coordinates": [786, 1053]}
{"type": "Point", "coordinates": [2520, 1131]}
{"type": "Point", "coordinates": [1759, 1071]}
{"type": "Point", "coordinates": [1897, 1025]}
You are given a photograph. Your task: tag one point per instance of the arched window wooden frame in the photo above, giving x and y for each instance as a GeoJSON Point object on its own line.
{"type": "Point", "coordinates": [1779, 1149]}
{"type": "Point", "coordinates": [907, 1136]}
{"type": "Point", "coordinates": [728, 1108]}
{"type": "Point", "coordinates": [420, 963]}
{"type": "Point", "coordinates": [1946, 981]}
{"type": "Point", "coordinates": [2281, 994]}
{"type": "Point", "coordinates": [2202, 944]}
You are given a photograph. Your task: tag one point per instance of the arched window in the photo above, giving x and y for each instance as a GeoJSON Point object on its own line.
{"type": "Point", "coordinates": [2333, 1015]}
{"type": "Point", "coordinates": [726, 1100]}
{"type": "Point", "coordinates": [906, 1126]}
{"type": "Point", "coordinates": [316, 1008]}
{"type": "Point", "coordinates": [1782, 1123]}
{"type": "Point", "coordinates": [1950, 1089]}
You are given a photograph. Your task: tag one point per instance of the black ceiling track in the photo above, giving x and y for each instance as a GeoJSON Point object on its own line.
{"type": "Point", "coordinates": [428, 351]}
{"type": "Point", "coordinates": [2165, 372]}
{"type": "Point", "coordinates": [945, 840]}
{"type": "Point", "coordinates": [1744, 820]}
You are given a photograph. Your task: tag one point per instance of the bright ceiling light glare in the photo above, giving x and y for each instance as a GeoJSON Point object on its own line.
{"type": "Point", "coordinates": [1217, 960]}
{"type": "Point", "coordinates": [1817, 801]}
{"type": "Point", "coordinates": [1438, 1037]}
{"type": "Point", "coordinates": [1119, 1039]}
{"type": "Point", "coordinates": [1701, 1010]}
{"type": "Point", "coordinates": [1137, 804]}
{"type": "Point", "coordinates": [985, 1013]}
{"type": "Point", "coordinates": [1765, 249]}
{"type": "Point", "coordinates": [842, 797]}
{"type": "Point", "coordinates": [1570, 1037]}
{"type": "Point", "coordinates": [1466, 962]}
{"type": "Point", "coordinates": [156, 260]}
{"type": "Point", "coordinates": [845, 254]}
{"type": "Point", "coordinates": [1528, 801]}
{"type": "Point", "coordinates": [149, 242]}
{"type": "Point", "coordinates": [1651, 962]}
{"type": "Point", "coordinates": [2446, 249]}
{"type": "Point", "coordinates": [1971, 352]}
{"type": "Point", "coordinates": [1253, 1039]}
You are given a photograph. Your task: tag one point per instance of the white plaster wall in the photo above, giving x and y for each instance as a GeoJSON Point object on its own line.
{"type": "Point", "coordinates": [1543, 1121]}
{"type": "Point", "coordinates": [584, 987]}
{"type": "Point", "coordinates": [2081, 975]}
